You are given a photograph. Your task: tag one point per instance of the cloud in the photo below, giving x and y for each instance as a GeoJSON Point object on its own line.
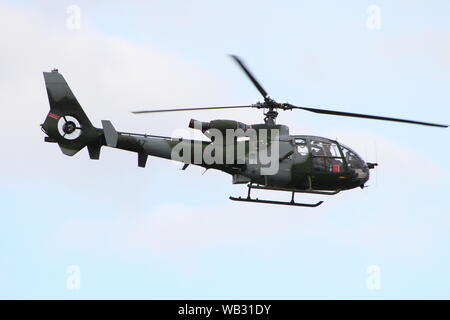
{"type": "Point", "coordinates": [181, 232]}
{"type": "Point", "coordinates": [175, 229]}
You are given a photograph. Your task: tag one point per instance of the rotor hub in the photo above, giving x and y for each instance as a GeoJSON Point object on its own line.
{"type": "Point", "coordinates": [272, 105]}
{"type": "Point", "coordinates": [69, 127]}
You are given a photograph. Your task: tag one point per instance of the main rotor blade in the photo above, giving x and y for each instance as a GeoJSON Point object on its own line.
{"type": "Point", "coordinates": [249, 75]}
{"type": "Point", "coordinates": [359, 115]}
{"type": "Point", "coordinates": [188, 109]}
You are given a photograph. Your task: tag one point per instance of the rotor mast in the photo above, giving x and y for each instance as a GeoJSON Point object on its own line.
{"type": "Point", "coordinates": [271, 114]}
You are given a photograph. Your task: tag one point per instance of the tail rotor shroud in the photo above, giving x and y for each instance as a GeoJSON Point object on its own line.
{"type": "Point", "coordinates": [69, 127]}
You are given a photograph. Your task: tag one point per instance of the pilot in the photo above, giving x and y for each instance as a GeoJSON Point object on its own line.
{"type": "Point", "coordinates": [316, 148]}
{"type": "Point", "coordinates": [350, 159]}
{"type": "Point", "coordinates": [327, 150]}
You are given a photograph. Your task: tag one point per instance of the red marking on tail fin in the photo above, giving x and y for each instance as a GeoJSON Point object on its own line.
{"type": "Point", "coordinates": [54, 116]}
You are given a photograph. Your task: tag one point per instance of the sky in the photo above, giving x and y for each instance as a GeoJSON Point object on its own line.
{"type": "Point", "coordinates": [74, 228]}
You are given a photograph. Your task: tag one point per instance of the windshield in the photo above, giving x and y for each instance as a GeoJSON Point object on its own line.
{"type": "Point", "coordinates": [351, 157]}
{"type": "Point", "coordinates": [327, 155]}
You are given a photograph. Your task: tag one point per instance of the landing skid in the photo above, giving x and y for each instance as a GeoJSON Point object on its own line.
{"type": "Point", "coordinates": [311, 205]}
{"type": "Point", "coordinates": [287, 203]}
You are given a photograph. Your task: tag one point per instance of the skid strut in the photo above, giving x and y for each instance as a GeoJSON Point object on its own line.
{"type": "Point", "coordinates": [290, 203]}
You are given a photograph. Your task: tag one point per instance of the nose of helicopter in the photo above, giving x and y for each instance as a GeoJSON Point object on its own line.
{"type": "Point", "coordinates": [363, 176]}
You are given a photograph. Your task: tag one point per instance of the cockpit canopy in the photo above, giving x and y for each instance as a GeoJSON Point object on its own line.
{"type": "Point", "coordinates": [328, 155]}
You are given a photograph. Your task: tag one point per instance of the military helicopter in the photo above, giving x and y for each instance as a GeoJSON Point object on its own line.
{"type": "Point", "coordinates": [304, 164]}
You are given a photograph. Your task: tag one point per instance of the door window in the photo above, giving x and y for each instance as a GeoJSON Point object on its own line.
{"type": "Point", "coordinates": [302, 146]}
{"type": "Point", "coordinates": [326, 157]}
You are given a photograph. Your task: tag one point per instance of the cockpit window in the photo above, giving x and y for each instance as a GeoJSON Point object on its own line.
{"type": "Point", "coordinates": [327, 149]}
{"type": "Point", "coordinates": [302, 146]}
{"type": "Point", "coordinates": [352, 159]}
{"type": "Point", "coordinates": [326, 156]}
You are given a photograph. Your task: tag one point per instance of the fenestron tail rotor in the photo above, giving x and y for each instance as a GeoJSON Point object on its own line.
{"type": "Point", "coordinates": [69, 127]}
{"type": "Point", "coordinates": [272, 106]}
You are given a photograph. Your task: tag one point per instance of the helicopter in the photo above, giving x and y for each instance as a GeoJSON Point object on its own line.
{"type": "Point", "coordinates": [298, 163]}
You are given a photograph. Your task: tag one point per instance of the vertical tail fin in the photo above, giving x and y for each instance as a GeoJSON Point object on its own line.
{"type": "Point", "coordinates": [66, 123]}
